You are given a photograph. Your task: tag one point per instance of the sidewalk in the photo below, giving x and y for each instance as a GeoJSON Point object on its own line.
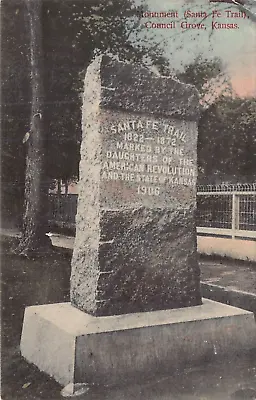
{"type": "Point", "coordinates": [232, 282]}
{"type": "Point", "coordinates": [231, 274]}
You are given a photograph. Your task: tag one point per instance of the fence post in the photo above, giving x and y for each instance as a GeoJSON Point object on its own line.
{"type": "Point", "coordinates": [235, 214]}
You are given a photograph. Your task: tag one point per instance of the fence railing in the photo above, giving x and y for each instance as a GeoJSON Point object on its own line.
{"type": "Point", "coordinates": [227, 210]}
{"type": "Point", "coordinates": [62, 210]}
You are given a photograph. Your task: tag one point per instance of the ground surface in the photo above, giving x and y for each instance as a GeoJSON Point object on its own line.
{"type": "Point", "coordinates": [234, 275]}
{"type": "Point", "coordinates": [27, 282]}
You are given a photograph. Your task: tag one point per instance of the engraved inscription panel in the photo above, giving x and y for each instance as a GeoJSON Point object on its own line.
{"type": "Point", "coordinates": [147, 161]}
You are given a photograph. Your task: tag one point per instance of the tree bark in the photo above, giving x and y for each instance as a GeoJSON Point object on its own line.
{"type": "Point", "coordinates": [34, 241]}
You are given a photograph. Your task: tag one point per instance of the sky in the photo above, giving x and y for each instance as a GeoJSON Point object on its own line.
{"type": "Point", "coordinates": [235, 47]}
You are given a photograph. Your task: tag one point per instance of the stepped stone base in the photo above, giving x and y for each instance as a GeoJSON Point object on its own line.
{"type": "Point", "coordinates": [74, 347]}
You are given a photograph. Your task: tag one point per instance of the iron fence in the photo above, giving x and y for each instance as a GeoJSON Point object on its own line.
{"type": "Point", "coordinates": [228, 210]}
{"type": "Point", "coordinates": [62, 210]}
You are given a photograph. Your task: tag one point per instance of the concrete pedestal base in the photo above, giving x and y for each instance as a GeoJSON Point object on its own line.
{"type": "Point", "coordinates": [75, 347]}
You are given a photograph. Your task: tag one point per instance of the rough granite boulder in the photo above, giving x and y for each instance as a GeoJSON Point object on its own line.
{"type": "Point", "coordinates": [135, 247]}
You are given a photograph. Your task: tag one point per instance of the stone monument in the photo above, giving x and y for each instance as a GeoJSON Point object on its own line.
{"type": "Point", "coordinates": [135, 246]}
{"type": "Point", "coordinates": [136, 307]}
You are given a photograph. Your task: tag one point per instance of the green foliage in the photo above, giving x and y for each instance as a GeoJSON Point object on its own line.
{"type": "Point", "coordinates": [227, 141]}
{"type": "Point", "coordinates": [86, 29]}
{"type": "Point", "coordinates": [209, 77]}
{"type": "Point", "coordinates": [74, 31]}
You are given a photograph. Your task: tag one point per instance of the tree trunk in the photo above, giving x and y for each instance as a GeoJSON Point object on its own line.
{"type": "Point", "coordinates": [34, 241]}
